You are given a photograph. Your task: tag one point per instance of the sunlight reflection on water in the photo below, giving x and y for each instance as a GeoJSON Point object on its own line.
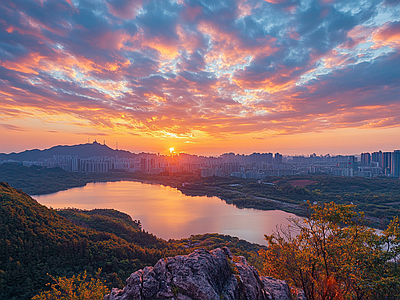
{"type": "Point", "coordinates": [167, 213]}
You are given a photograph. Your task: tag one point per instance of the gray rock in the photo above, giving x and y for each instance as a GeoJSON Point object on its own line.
{"type": "Point", "coordinates": [201, 275]}
{"type": "Point", "coordinates": [277, 288]}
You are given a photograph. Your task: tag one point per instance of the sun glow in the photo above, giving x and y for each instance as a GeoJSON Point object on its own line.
{"type": "Point", "coordinates": [171, 150]}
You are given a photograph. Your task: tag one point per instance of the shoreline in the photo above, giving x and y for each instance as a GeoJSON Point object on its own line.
{"type": "Point", "coordinates": [208, 191]}
{"type": "Point", "coordinates": [378, 198]}
{"type": "Point", "coordinates": [280, 205]}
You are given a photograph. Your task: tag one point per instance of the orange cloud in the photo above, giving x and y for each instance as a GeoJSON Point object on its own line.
{"type": "Point", "coordinates": [389, 35]}
{"type": "Point", "coordinates": [276, 1]}
{"type": "Point", "coordinates": [215, 71]}
{"type": "Point", "coordinates": [227, 47]}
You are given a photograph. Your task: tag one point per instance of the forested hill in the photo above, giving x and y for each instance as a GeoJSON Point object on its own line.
{"type": "Point", "coordinates": [36, 241]}
{"type": "Point", "coordinates": [82, 150]}
{"type": "Point", "coordinates": [36, 180]}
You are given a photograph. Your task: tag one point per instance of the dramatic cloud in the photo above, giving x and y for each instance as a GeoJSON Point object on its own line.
{"type": "Point", "coordinates": [188, 68]}
{"type": "Point", "coordinates": [12, 127]}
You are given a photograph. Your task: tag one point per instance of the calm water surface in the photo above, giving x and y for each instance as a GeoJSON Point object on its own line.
{"type": "Point", "coordinates": [167, 213]}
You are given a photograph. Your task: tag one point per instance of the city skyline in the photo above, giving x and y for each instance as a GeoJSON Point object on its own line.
{"type": "Point", "coordinates": [99, 158]}
{"type": "Point", "coordinates": [202, 77]}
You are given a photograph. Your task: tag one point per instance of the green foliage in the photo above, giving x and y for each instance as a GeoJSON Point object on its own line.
{"type": "Point", "coordinates": [115, 222]}
{"type": "Point", "coordinates": [333, 255]}
{"type": "Point", "coordinates": [81, 287]}
{"type": "Point", "coordinates": [36, 180]}
{"type": "Point", "coordinates": [36, 241]}
{"type": "Point", "coordinates": [377, 197]}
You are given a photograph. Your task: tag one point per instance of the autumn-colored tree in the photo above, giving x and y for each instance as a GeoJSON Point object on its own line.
{"type": "Point", "coordinates": [332, 254]}
{"type": "Point", "coordinates": [75, 288]}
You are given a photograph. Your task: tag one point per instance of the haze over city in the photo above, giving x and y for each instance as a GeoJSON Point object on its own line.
{"type": "Point", "coordinates": [202, 77]}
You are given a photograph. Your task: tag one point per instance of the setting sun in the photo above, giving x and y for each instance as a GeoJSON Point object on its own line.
{"type": "Point", "coordinates": [183, 124]}
{"type": "Point", "coordinates": [241, 91]}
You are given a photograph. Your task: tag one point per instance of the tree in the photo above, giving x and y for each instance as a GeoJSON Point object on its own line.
{"type": "Point", "coordinates": [332, 254]}
{"type": "Point", "coordinates": [75, 288]}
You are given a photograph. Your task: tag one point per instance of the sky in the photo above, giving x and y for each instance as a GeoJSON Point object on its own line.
{"type": "Point", "coordinates": [202, 76]}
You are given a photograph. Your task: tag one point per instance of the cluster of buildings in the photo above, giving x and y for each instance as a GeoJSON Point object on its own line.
{"type": "Point", "coordinates": [389, 162]}
{"type": "Point", "coordinates": [259, 166]}
{"type": "Point", "coordinates": [94, 164]}
{"type": "Point", "coordinates": [253, 166]}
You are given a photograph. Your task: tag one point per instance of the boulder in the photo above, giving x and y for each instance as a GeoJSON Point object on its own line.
{"type": "Point", "coordinates": [201, 275]}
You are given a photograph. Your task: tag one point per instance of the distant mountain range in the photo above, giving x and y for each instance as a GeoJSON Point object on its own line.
{"type": "Point", "coordinates": [82, 150]}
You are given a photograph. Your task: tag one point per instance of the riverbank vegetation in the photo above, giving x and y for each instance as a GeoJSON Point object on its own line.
{"type": "Point", "coordinates": [377, 197]}
{"type": "Point", "coordinates": [36, 180]}
{"type": "Point", "coordinates": [36, 241]}
{"type": "Point", "coordinates": [335, 255]}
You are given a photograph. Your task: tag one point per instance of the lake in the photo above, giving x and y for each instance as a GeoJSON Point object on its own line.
{"type": "Point", "coordinates": [167, 213]}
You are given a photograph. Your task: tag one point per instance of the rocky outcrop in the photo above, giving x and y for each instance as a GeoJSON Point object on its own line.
{"type": "Point", "coordinates": [201, 275]}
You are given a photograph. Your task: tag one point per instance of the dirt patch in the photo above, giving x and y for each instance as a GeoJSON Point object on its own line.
{"type": "Point", "coordinates": [301, 182]}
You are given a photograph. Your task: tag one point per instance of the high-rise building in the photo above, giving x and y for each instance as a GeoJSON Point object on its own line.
{"type": "Point", "coordinates": [278, 158]}
{"type": "Point", "coordinates": [395, 167]}
{"type": "Point", "coordinates": [269, 158]}
{"type": "Point", "coordinates": [353, 162]}
{"type": "Point", "coordinates": [377, 157]}
{"type": "Point", "coordinates": [256, 157]}
{"type": "Point", "coordinates": [386, 162]}
{"type": "Point", "coordinates": [228, 157]}
{"type": "Point", "coordinates": [365, 159]}
{"type": "Point", "coordinates": [144, 166]}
